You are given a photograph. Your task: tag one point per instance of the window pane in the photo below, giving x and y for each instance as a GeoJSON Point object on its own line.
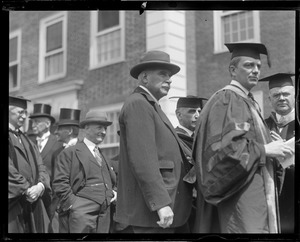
{"type": "Point", "coordinates": [13, 76]}
{"type": "Point", "coordinates": [54, 64]}
{"type": "Point", "coordinates": [13, 49]}
{"type": "Point", "coordinates": [54, 37]}
{"type": "Point", "coordinates": [109, 46]}
{"type": "Point", "coordinates": [107, 19]}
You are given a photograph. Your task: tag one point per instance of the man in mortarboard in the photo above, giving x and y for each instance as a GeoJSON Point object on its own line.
{"type": "Point", "coordinates": [187, 112]}
{"type": "Point", "coordinates": [28, 179]}
{"type": "Point", "coordinates": [282, 122]}
{"type": "Point", "coordinates": [46, 142]}
{"type": "Point", "coordinates": [232, 153]}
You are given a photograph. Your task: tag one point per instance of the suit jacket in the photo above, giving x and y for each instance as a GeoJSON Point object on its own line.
{"type": "Point", "coordinates": [26, 169]}
{"type": "Point", "coordinates": [151, 167]}
{"type": "Point", "coordinates": [70, 173]}
{"type": "Point", "coordinates": [49, 154]}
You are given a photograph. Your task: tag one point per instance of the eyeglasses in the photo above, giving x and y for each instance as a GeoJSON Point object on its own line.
{"type": "Point", "coordinates": [22, 112]}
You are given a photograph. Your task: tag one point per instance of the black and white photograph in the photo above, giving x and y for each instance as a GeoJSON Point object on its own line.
{"type": "Point", "coordinates": [179, 123]}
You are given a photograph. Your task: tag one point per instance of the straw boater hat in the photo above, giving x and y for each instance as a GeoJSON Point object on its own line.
{"type": "Point", "coordinates": [154, 59]}
{"type": "Point", "coordinates": [69, 116]}
{"type": "Point", "coordinates": [42, 110]}
{"type": "Point", "coordinates": [95, 116]}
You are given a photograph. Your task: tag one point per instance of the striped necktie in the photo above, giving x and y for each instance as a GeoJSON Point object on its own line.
{"type": "Point", "coordinates": [98, 156]}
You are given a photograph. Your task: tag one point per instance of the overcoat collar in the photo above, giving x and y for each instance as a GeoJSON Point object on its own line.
{"type": "Point", "coordinates": [49, 145]}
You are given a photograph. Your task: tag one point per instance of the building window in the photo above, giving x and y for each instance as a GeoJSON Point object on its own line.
{"type": "Point", "coordinates": [53, 36]}
{"type": "Point", "coordinates": [235, 26]}
{"type": "Point", "coordinates": [110, 145]}
{"type": "Point", "coordinates": [14, 60]}
{"type": "Point", "coordinates": [107, 38]}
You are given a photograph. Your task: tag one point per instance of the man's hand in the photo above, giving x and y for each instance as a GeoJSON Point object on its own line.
{"type": "Point", "coordinates": [165, 215]}
{"type": "Point", "coordinates": [115, 197]}
{"type": "Point", "coordinates": [278, 149]}
{"type": "Point", "coordinates": [33, 193]}
{"type": "Point", "coordinates": [275, 136]}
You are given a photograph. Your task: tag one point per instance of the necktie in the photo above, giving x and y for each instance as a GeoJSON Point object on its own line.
{"type": "Point", "coordinates": [98, 156]}
{"type": "Point", "coordinates": [39, 140]}
{"type": "Point", "coordinates": [255, 104]}
{"type": "Point", "coordinates": [281, 122]}
{"type": "Point", "coordinates": [17, 133]}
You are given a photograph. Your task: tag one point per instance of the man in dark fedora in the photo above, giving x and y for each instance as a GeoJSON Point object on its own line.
{"type": "Point", "coordinates": [152, 197]}
{"type": "Point", "coordinates": [84, 181]}
{"type": "Point", "coordinates": [187, 112]}
{"type": "Point", "coordinates": [47, 143]}
{"type": "Point", "coordinates": [28, 179]}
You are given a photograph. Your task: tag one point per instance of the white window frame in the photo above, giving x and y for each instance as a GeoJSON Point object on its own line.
{"type": "Point", "coordinates": [18, 34]}
{"type": "Point", "coordinates": [219, 47]}
{"type": "Point", "coordinates": [44, 23]}
{"type": "Point", "coordinates": [93, 40]}
{"type": "Point", "coordinates": [110, 108]}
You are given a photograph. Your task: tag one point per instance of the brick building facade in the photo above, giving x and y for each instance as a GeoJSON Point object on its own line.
{"type": "Point", "coordinates": [81, 59]}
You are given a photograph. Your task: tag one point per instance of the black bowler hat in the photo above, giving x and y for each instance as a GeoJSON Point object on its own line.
{"type": "Point", "coordinates": [69, 116]}
{"type": "Point", "coordinates": [248, 49]}
{"type": "Point", "coordinates": [42, 110]}
{"type": "Point", "coordinates": [190, 102]}
{"type": "Point", "coordinates": [154, 59]}
{"type": "Point", "coordinates": [18, 101]}
{"type": "Point", "coordinates": [279, 80]}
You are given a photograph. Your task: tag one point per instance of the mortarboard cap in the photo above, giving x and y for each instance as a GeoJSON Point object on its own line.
{"type": "Point", "coordinates": [190, 102]}
{"type": "Point", "coordinates": [18, 101]}
{"type": "Point", "coordinates": [248, 49]}
{"type": "Point", "coordinates": [279, 80]}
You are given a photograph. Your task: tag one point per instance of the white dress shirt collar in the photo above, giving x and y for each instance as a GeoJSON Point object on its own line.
{"type": "Point", "coordinates": [90, 145]}
{"type": "Point", "coordinates": [190, 133]}
{"type": "Point", "coordinates": [146, 89]}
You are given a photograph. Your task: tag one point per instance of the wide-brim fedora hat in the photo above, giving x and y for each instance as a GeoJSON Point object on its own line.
{"type": "Point", "coordinates": [94, 116]}
{"type": "Point", "coordinates": [42, 110]}
{"type": "Point", "coordinates": [69, 116]}
{"type": "Point", "coordinates": [154, 59]}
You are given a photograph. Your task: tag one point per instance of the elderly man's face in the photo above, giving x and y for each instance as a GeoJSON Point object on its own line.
{"type": "Point", "coordinates": [95, 132]}
{"type": "Point", "coordinates": [187, 117]}
{"type": "Point", "coordinates": [17, 116]}
{"type": "Point", "coordinates": [40, 125]}
{"type": "Point", "coordinates": [158, 82]}
{"type": "Point", "coordinates": [282, 99]}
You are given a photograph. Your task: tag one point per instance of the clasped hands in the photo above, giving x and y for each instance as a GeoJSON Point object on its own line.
{"type": "Point", "coordinates": [33, 193]}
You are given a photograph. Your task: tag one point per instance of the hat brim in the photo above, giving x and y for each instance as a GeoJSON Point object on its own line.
{"type": "Point", "coordinates": [68, 124]}
{"type": "Point", "coordinates": [137, 69]}
{"type": "Point", "coordinates": [84, 122]}
{"type": "Point", "coordinates": [43, 115]}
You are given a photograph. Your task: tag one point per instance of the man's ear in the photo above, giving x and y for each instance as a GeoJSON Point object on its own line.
{"type": "Point", "coordinates": [232, 70]}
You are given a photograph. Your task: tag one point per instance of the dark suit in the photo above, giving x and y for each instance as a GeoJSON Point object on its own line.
{"type": "Point", "coordinates": [26, 169]}
{"type": "Point", "coordinates": [287, 178]}
{"type": "Point", "coordinates": [151, 167]}
{"type": "Point", "coordinates": [71, 176]}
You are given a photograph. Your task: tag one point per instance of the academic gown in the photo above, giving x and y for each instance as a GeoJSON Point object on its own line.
{"type": "Point", "coordinates": [287, 191]}
{"type": "Point", "coordinates": [235, 179]}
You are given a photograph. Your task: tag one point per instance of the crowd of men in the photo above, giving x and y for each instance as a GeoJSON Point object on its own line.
{"type": "Point", "coordinates": [223, 169]}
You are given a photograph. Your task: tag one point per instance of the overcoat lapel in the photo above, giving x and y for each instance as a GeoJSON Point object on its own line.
{"type": "Point", "coordinates": [81, 152]}
{"type": "Point", "coordinates": [161, 114]}
{"type": "Point", "coordinates": [49, 145]}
